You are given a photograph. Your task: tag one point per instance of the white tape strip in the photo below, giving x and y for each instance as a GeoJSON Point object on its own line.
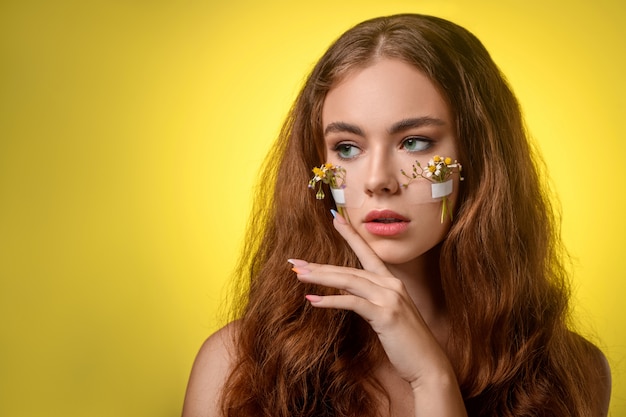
{"type": "Point", "coordinates": [442, 189]}
{"type": "Point", "coordinates": [338, 195]}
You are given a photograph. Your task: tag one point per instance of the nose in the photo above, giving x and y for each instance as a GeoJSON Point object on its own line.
{"type": "Point", "coordinates": [381, 177]}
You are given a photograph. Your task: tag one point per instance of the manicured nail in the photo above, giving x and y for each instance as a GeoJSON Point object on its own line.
{"type": "Point", "coordinates": [297, 262]}
{"type": "Point", "coordinates": [313, 299]}
{"type": "Point", "coordinates": [334, 213]}
{"type": "Point", "coordinates": [300, 271]}
{"type": "Point", "coordinates": [340, 219]}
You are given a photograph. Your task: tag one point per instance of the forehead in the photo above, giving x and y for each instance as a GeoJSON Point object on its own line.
{"type": "Point", "coordinates": [382, 93]}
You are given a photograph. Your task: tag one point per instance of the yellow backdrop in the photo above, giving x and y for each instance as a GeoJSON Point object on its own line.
{"type": "Point", "coordinates": [131, 133]}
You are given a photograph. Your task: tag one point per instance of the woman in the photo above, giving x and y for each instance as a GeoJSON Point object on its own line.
{"type": "Point", "coordinates": [403, 310]}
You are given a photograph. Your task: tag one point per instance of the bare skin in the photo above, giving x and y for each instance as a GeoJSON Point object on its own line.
{"type": "Point", "coordinates": [376, 121]}
{"type": "Point", "coordinates": [418, 365]}
{"type": "Point", "coordinates": [398, 290]}
{"type": "Point", "coordinates": [209, 373]}
{"type": "Point", "coordinates": [428, 386]}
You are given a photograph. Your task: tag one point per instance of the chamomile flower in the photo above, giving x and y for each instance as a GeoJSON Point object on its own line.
{"type": "Point", "coordinates": [438, 171]}
{"type": "Point", "coordinates": [327, 173]}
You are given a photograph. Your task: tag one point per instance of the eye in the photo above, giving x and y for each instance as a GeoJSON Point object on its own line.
{"type": "Point", "coordinates": [346, 151]}
{"type": "Point", "coordinates": [416, 143]}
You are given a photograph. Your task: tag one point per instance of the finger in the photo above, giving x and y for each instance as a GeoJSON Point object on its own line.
{"type": "Point", "coordinates": [354, 281]}
{"type": "Point", "coordinates": [366, 255]}
{"type": "Point", "coordinates": [359, 305]}
{"type": "Point", "coordinates": [316, 274]}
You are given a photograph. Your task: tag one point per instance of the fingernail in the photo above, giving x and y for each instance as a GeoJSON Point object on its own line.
{"type": "Point", "coordinates": [334, 213]}
{"type": "Point", "coordinates": [297, 262]}
{"type": "Point", "coordinates": [300, 271]}
{"type": "Point", "coordinates": [313, 299]}
{"type": "Point", "coordinates": [340, 219]}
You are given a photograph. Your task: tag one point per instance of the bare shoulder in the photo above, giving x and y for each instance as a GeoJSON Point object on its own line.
{"type": "Point", "coordinates": [599, 373]}
{"type": "Point", "coordinates": [208, 374]}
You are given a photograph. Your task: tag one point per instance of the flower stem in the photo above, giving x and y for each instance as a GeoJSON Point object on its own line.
{"type": "Point", "coordinates": [342, 210]}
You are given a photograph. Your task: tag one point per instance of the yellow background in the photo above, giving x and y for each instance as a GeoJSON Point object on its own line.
{"type": "Point", "coordinates": [130, 136]}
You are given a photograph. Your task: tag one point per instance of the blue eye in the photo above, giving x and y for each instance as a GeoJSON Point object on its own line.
{"type": "Point", "coordinates": [347, 151]}
{"type": "Point", "coordinates": [416, 144]}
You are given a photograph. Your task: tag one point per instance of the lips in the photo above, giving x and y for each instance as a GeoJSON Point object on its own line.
{"type": "Point", "coordinates": [385, 223]}
{"type": "Point", "coordinates": [385, 216]}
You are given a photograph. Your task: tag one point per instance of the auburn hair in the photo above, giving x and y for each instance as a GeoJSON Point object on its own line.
{"type": "Point", "coordinates": [501, 264]}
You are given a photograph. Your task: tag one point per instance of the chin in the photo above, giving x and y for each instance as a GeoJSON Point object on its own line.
{"type": "Point", "coordinates": [401, 252]}
{"type": "Point", "coordinates": [398, 256]}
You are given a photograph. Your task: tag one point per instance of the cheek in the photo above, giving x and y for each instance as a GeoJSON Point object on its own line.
{"type": "Point", "coordinates": [426, 220]}
{"type": "Point", "coordinates": [454, 197]}
{"type": "Point", "coordinates": [425, 226]}
{"type": "Point", "coordinates": [354, 184]}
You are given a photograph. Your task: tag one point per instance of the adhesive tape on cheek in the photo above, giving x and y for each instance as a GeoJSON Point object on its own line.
{"type": "Point", "coordinates": [339, 196]}
{"type": "Point", "coordinates": [420, 191]}
{"type": "Point", "coordinates": [441, 189]}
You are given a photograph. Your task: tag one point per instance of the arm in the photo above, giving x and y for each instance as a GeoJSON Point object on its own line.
{"type": "Point", "coordinates": [208, 375]}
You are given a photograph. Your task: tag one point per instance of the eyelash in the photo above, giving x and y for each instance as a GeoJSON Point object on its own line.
{"type": "Point", "coordinates": [343, 145]}
{"type": "Point", "coordinates": [338, 147]}
{"type": "Point", "coordinates": [428, 142]}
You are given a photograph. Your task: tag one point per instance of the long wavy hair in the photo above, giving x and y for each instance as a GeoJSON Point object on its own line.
{"type": "Point", "coordinates": [501, 264]}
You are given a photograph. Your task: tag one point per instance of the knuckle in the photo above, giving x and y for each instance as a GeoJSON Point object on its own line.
{"type": "Point", "coordinates": [390, 316]}
{"type": "Point", "coordinates": [393, 304]}
{"type": "Point", "coordinates": [396, 285]}
{"type": "Point", "coordinates": [394, 300]}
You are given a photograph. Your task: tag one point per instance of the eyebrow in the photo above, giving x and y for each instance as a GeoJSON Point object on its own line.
{"type": "Point", "coordinates": [338, 127]}
{"type": "Point", "coordinates": [413, 122]}
{"type": "Point", "coordinates": [404, 124]}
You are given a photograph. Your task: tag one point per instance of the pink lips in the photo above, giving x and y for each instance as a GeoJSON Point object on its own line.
{"type": "Point", "coordinates": [385, 223]}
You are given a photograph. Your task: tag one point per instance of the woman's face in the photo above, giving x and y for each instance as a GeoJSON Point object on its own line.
{"type": "Point", "coordinates": [378, 121]}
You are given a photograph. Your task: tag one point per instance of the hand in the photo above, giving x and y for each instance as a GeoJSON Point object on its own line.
{"type": "Point", "coordinates": [382, 300]}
